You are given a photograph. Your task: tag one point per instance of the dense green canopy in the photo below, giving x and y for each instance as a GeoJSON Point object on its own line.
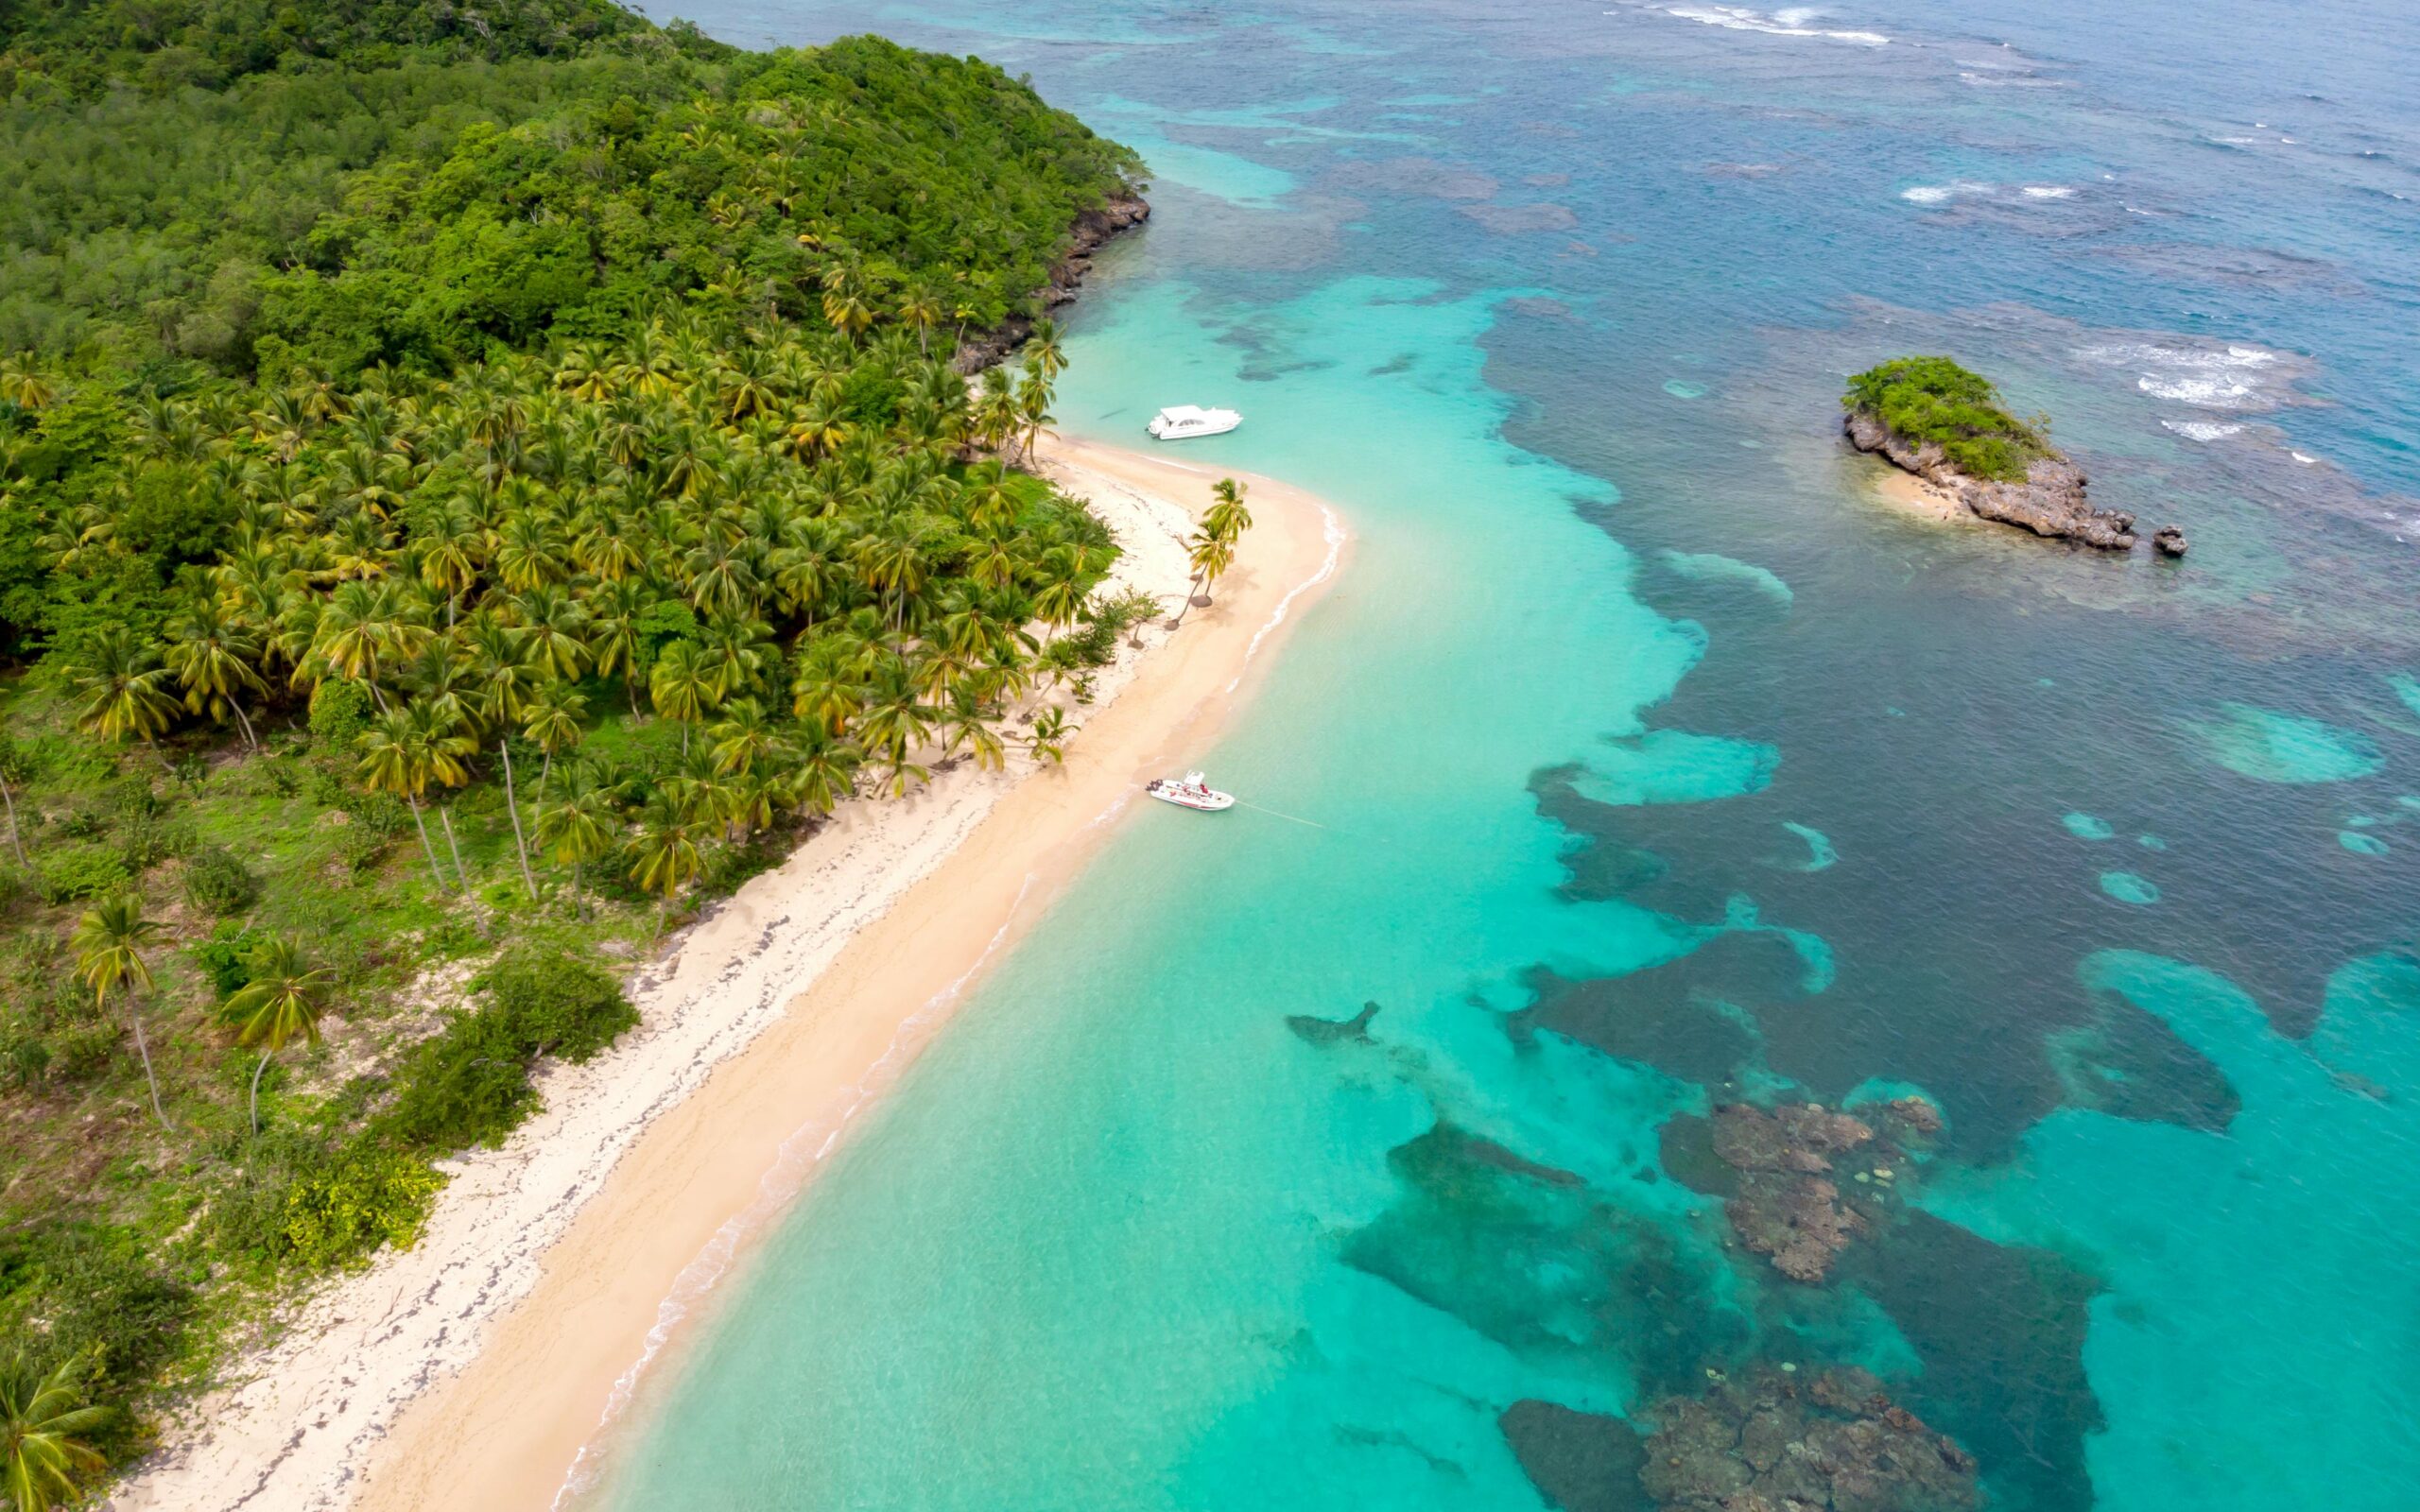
{"type": "Point", "coordinates": [1934, 401]}
{"type": "Point", "coordinates": [467, 475]}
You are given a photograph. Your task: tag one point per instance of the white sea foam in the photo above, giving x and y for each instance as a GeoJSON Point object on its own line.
{"type": "Point", "coordinates": [2201, 430]}
{"type": "Point", "coordinates": [2049, 191]}
{"type": "Point", "coordinates": [1941, 194]}
{"type": "Point", "coordinates": [1791, 23]}
{"type": "Point", "coordinates": [2227, 379]}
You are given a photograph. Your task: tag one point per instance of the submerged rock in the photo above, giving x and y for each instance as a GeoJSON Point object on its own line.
{"type": "Point", "coordinates": [2051, 502]}
{"type": "Point", "coordinates": [2169, 540]}
{"type": "Point", "coordinates": [1835, 1444]}
{"type": "Point", "coordinates": [1315, 1030]}
{"type": "Point", "coordinates": [1786, 1206]}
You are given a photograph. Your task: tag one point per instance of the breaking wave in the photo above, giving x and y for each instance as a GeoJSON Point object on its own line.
{"type": "Point", "coordinates": [1791, 23]}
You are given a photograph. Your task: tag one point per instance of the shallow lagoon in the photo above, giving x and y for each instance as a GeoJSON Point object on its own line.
{"type": "Point", "coordinates": [1610, 663]}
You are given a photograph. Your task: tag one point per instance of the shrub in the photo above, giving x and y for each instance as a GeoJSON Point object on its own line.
{"type": "Point", "coordinates": [225, 957]}
{"type": "Point", "coordinates": [557, 1005]}
{"type": "Point", "coordinates": [83, 1051]}
{"type": "Point", "coordinates": [468, 1084]}
{"type": "Point", "coordinates": [371, 1195]}
{"type": "Point", "coordinates": [340, 710]}
{"type": "Point", "coordinates": [83, 872]}
{"type": "Point", "coordinates": [88, 1291]}
{"type": "Point", "coordinates": [217, 883]}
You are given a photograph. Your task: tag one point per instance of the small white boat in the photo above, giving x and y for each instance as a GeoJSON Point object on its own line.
{"type": "Point", "coordinates": [1181, 423]}
{"type": "Point", "coordinates": [1192, 792]}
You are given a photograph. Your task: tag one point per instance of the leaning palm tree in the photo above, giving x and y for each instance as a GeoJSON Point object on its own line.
{"type": "Point", "coordinates": [442, 732]}
{"type": "Point", "coordinates": [122, 690]}
{"type": "Point", "coordinates": [212, 654]}
{"type": "Point", "coordinates": [43, 1418]}
{"type": "Point", "coordinates": [395, 761]}
{"type": "Point", "coordinates": [1227, 518]}
{"type": "Point", "coordinates": [280, 1001]}
{"type": "Point", "coordinates": [1210, 558]}
{"type": "Point", "coordinates": [109, 959]}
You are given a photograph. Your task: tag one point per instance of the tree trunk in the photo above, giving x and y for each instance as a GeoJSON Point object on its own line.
{"type": "Point", "coordinates": [257, 1090]}
{"type": "Point", "coordinates": [630, 686]}
{"type": "Point", "coordinates": [143, 1048]}
{"type": "Point", "coordinates": [546, 769]}
{"type": "Point", "coordinates": [246, 720]}
{"type": "Point", "coordinates": [578, 903]}
{"type": "Point", "coordinates": [512, 805]}
{"type": "Point", "coordinates": [16, 838]}
{"type": "Point", "coordinates": [426, 849]}
{"type": "Point", "coordinates": [1189, 595]}
{"type": "Point", "coordinates": [446, 817]}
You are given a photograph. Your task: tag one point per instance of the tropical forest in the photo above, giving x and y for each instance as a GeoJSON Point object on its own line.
{"type": "Point", "coordinates": [476, 485]}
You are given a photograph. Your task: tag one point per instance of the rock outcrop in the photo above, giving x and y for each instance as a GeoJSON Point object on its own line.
{"type": "Point", "coordinates": [2049, 502]}
{"type": "Point", "coordinates": [2169, 540]}
{"type": "Point", "coordinates": [1769, 1444]}
{"type": "Point", "coordinates": [1787, 1205]}
{"type": "Point", "coordinates": [1092, 230]}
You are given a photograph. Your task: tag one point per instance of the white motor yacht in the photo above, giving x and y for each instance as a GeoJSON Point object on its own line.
{"type": "Point", "coordinates": [1181, 423]}
{"type": "Point", "coordinates": [1194, 792]}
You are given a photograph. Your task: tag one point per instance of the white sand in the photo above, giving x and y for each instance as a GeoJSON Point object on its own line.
{"type": "Point", "coordinates": [553, 1269]}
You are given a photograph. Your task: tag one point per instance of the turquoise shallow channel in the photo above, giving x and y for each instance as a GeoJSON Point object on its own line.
{"type": "Point", "coordinates": [1652, 765]}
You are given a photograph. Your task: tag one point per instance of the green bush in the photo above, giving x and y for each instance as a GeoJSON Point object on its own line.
{"type": "Point", "coordinates": [79, 873]}
{"type": "Point", "coordinates": [225, 957]}
{"type": "Point", "coordinates": [468, 1084]}
{"type": "Point", "coordinates": [83, 1051]}
{"type": "Point", "coordinates": [341, 710]}
{"type": "Point", "coordinates": [217, 883]}
{"type": "Point", "coordinates": [90, 1290]}
{"type": "Point", "coordinates": [557, 1005]}
{"type": "Point", "coordinates": [369, 1197]}
{"type": "Point", "coordinates": [1934, 401]}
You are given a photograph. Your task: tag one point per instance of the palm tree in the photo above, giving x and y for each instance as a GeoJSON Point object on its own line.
{"type": "Point", "coordinates": [1049, 737]}
{"type": "Point", "coordinates": [825, 769]}
{"type": "Point", "coordinates": [109, 957]}
{"type": "Point", "coordinates": [438, 725]}
{"type": "Point", "coordinates": [1209, 557]}
{"type": "Point", "coordinates": [1042, 352]}
{"type": "Point", "coordinates": [578, 827]}
{"type": "Point", "coordinates": [684, 686]}
{"type": "Point", "coordinates": [664, 854]}
{"type": "Point", "coordinates": [1033, 409]}
{"type": "Point", "coordinates": [552, 723]}
{"type": "Point", "coordinates": [43, 1420]}
{"type": "Point", "coordinates": [122, 690]}
{"type": "Point", "coordinates": [212, 654]}
{"type": "Point", "coordinates": [506, 676]}
{"type": "Point", "coordinates": [13, 770]}
{"type": "Point", "coordinates": [395, 760]}
{"type": "Point", "coordinates": [279, 1003]}
{"type": "Point", "coordinates": [1227, 519]}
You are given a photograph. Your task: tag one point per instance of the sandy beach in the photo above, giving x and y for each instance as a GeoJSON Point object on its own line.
{"type": "Point", "coordinates": [1909, 494]}
{"type": "Point", "coordinates": [471, 1371]}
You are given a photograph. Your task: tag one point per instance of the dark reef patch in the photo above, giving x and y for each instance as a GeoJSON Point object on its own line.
{"type": "Point", "coordinates": [1579, 1461]}
{"type": "Point", "coordinates": [2000, 1331]}
{"type": "Point", "coordinates": [1542, 1262]}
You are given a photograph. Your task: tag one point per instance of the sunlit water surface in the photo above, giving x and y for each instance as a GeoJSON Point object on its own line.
{"type": "Point", "coordinates": [1650, 765]}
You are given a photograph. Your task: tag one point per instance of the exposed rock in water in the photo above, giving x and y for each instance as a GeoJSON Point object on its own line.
{"type": "Point", "coordinates": [2169, 540]}
{"type": "Point", "coordinates": [1766, 1444]}
{"type": "Point", "coordinates": [1321, 1031]}
{"type": "Point", "coordinates": [1787, 1205]}
{"type": "Point", "coordinates": [2049, 502]}
{"type": "Point", "coordinates": [1093, 228]}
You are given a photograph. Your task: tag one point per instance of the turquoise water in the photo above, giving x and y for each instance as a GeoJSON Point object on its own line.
{"type": "Point", "coordinates": [1654, 767]}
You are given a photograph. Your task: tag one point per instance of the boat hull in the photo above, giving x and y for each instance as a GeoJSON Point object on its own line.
{"type": "Point", "coordinates": [1193, 432]}
{"type": "Point", "coordinates": [1209, 802]}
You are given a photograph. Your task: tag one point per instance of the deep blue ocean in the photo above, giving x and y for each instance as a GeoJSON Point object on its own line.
{"type": "Point", "coordinates": [1660, 765]}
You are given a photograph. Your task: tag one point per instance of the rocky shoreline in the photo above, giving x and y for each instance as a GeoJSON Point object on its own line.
{"type": "Point", "coordinates": [2051, 502]}
{"type": "Point", "coordinates": [1093, 228]}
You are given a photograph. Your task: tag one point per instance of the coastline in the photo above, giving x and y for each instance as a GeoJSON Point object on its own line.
{"type": "Point", "coordinates": [471, 1369]}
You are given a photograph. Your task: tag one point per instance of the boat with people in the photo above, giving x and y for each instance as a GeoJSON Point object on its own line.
{"type": "Point", "coordinates": [1181, 423]}
{"type": "Point", "coordinates": [1192, 791]}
